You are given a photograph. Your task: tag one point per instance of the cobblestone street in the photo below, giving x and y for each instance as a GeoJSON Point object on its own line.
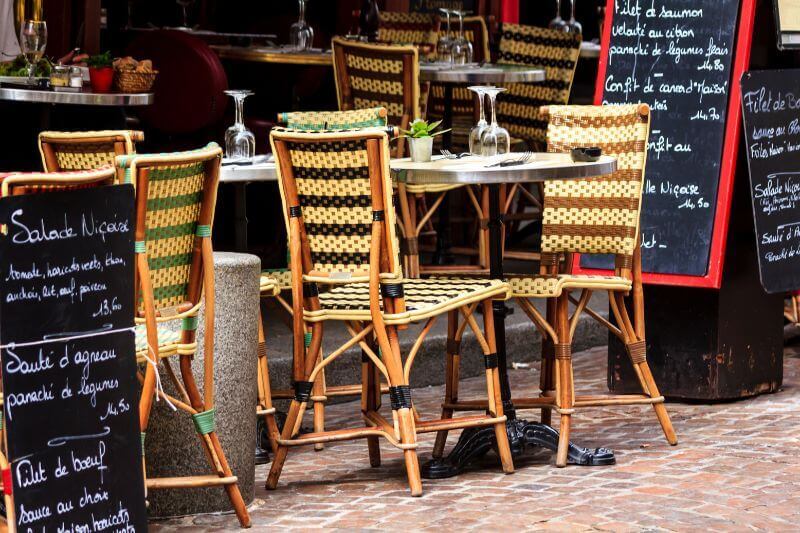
{"type": "Point", "coordinates": [736, 468]}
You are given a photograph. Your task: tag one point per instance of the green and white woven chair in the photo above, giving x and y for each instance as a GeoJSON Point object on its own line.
{"type": "Point", "coordinates": [85, 150]}
{"type": "Point", "coordinates": [337, 197]}
{"type": "Point", "coordinates": [175, 200]}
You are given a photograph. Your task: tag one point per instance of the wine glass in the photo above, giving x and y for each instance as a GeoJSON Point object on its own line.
{"type": "Point", "coordinates": [475, 132]}
{"type": "Point", "coordinates": [301, 35]}
{"type": "Point", "coordinates": [557, 23]}
{"type": "Point", "coordinates": [32, 41]}
{"type": "Point", "coordinates": [462, 48]}
{"type": "Point", "coordinates": [444, 48]}
{"type": "Point", "coordinates": [573, 26]}
{"type": "Point", "coordinates": [185, 4]}
{"type": "Point", "coordinates": [240, 143]}
{"type": "Point", "coordinates": [494, 139]}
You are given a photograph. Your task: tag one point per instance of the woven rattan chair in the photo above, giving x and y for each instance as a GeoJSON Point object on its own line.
{"type": "Point", "coordinates": [369, 75]}
{"type": "Point", "coordinates": [84, 150]}
{"type": "Point", "coordinates": [518, 108]}
{"type": "Point", "coordinates": [418, 29]}
{"type": "Point", "coordinates": [17, 183]}
{"type": "Point", "coordinates": [276, 281]}
{"type": "Point", "coordinates": [592, 216]}
{"type": "Point", "coordinates": [337, 195]}
{"type": "Point", "coordinates": [175, 200]}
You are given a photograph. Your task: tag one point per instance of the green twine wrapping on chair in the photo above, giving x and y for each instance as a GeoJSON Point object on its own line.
{"type": "Point", "coordinates": [139, 247]}
{"type": "Point", "coordinates": [189, 323]}
{"type": "Point", "coordinates": [203, 230]}
{"type": "Point", "coordinates": [143, 436]}
{"type": "Point", "coordinates": [204, 422]}
{"type": "Point", "coordinates": [307, 339]}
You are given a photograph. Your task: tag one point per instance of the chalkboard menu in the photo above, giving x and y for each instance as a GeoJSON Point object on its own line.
{"type": "Point", "coordinates": [676, 56]}
{"type": "Point", "coordinates": [68, 362]}
{"type": "Point", "coordinates": [771, 106]}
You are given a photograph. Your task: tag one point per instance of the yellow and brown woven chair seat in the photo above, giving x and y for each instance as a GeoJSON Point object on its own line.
{"type": "Point", "coordinates": [169, 343]}
{"type": "Point", "coordinates": [543, 286]}
{"type": "Point", "coordinates": [424, 298]}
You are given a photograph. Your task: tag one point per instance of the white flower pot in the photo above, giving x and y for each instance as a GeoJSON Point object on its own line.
{"type": "Point", "coordinates": [421, 149]}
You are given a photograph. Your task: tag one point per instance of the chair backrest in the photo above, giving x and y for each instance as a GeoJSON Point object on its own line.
{"type": "Point", "coordinates": [375, 117]}
{"type": "Point", "coordinates": [418, 29]}
{"type": "Point", "coordinates": [175, 198]}
{"type": "Point", "coordinates": [336, 184]}
{"type": "Point", "coordinates": [17, 183]}
{"type": "Point", "coordinates": [85, 150]}
{"type": "Point", "coordinates": [597, 215]}
{"type": "Point", "coordinates": [557, 53]}
{"type": "Point", "coordinates": [370, 75]}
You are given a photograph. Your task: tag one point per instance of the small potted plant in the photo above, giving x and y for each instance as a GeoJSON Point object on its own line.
{"type": "Point", "coordinates": [420, 139]}
{"type": "Point", "coordinates": [101, 72]}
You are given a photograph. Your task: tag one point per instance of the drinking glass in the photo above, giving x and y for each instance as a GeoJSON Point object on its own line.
{"type": "Point", "coordinates": [494, 139]}
{"type": "Point", "coordinates": [301, 35]}
{"type": "Point", "coordinates": [462, 48]}
{"type": "Point", "coordinates": [557, 23]}
{"type": "Point", "coordinates": [32, 41]}
{"type": "Point", "coordinates": [475, 146]}
{"type": "Point", "coordinates": [240, 143]}
{"type": "Point", "coordinates": [185, 4]}
{"type": "Point", "coordinates": [573, 26]}
{"type": "Point", "coordinates": [444, 48]}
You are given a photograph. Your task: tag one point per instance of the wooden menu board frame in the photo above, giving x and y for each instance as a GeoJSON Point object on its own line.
{"type": "Point", "coordinates": [740, 64]}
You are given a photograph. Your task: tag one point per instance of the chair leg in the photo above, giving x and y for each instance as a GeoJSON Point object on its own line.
{"type": "Point", "coordinates": [636, 352]}
{"type": "Point", "coordinates": [493, 390]}
{"type": "Point", "coordinates": [318, 391]}
{"type": "Point", "coordinates": [547, 377]}
{"type": "Point", "coordinates": [564, 383]}
{"type": "Point", "coordinates": [264, 390]}
{"type": "Point", "coordinates": [295, 412]}
{"type": "Point", "coordinates": [451, 378]}
{"type": "Point", "coordinates": [371, 401]}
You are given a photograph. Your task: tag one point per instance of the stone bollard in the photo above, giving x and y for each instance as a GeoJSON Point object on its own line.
{"type": "Point", "coordinates": [172, 447]}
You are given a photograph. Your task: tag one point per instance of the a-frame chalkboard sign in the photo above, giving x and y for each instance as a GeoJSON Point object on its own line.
{"type": "Point", "coordinates": [684, 59]}
{"type": "Point", "coordinates": [68, 362]}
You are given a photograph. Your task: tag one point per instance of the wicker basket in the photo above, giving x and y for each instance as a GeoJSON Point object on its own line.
{"type": "Point", "coordinates": [128, 81]}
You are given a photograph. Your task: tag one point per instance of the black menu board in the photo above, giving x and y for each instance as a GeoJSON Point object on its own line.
{"type": "Point", "coordinates": [68, 362]}
{"type": "Point", "coordinates": [676, 56]}
{"type": "Point", "coordinates": [771, 108]}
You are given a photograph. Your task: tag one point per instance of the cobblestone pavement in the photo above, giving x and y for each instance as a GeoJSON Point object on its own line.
{"type": "Point", "coordinates": [736, 468]}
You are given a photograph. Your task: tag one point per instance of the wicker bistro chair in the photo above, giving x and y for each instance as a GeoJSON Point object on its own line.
{"type": "Point", "coordinates": [276, 281]}
{"type": "Point", "coordinates": [369, 75]}
{"type": "Point", "coordinates": [337, 196]}
{"type": "Point", "coordinates": [175, 200]}
{"type": "Point", "coordinates": [593, 216]}
{"type": "Point", "coordinates": [84, 150]}
{"type": "Point", "coordinates": [418, 29]}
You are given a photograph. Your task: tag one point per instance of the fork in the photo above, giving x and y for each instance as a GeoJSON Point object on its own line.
{"type": "Point", "coordinates": [520, 160]}
{"type": "Point", "coordinates": [450, 155]}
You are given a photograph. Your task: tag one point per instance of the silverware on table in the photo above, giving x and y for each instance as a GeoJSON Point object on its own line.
{"type": "Point", "coordinates": [520, 160]}
{"type": "Point", "coordinates": [450, 155]}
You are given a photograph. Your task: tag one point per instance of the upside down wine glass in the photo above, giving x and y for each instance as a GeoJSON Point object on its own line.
{"type": "Point", "coordinates": [494, 139]}
{"type": "Point", "coordinates": [240, 143]}
{"type": "Point", "coordinates": [475, 146]}
{"type": "Point", "coordinates": [462, 48]}
{"type": "Point", "coordinates": [444, 48]}
{"type": "Point", "coordinates": [557, 23]}
{"type": "Point", "coordinates": [573, 26]}
{"type": "Point", "coordinates": [301, 35]}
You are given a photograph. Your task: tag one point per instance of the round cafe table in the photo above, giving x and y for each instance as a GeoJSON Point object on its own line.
{"type": "Point", "coordinates": [475, 442]}
{"type": "Point", "coordinates": [473, 74]}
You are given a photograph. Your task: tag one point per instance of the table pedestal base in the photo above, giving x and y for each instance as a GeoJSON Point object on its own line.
{"type": "Point", "coordinates": [474, 443]}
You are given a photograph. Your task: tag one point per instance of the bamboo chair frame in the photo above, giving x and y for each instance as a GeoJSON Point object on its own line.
{"type": "Point", "coordinates": [272, 286]}
{"type": "Point", "coordinates": [141, 170]}
{"type": "Point", "coordinates": [20, 183]}
{"type": "Point", "coordinates": [558, 326]}
{"type": "Point", "coordinates": [379, 325]}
